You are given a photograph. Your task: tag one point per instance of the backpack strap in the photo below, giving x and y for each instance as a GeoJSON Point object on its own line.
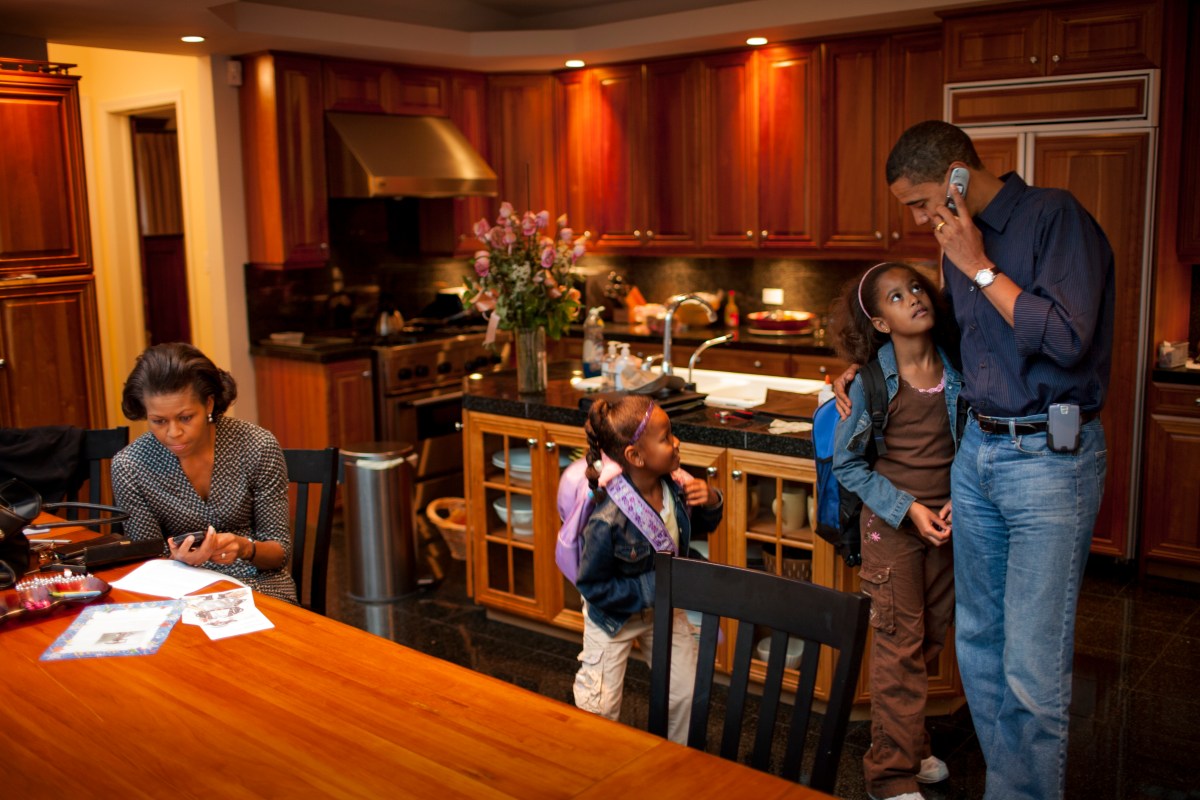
{"type": "Point", "coordinates": [875, 391]}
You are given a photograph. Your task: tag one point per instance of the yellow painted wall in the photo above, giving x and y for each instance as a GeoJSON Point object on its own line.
{"type": "Point", "coordinates": [114, 85]}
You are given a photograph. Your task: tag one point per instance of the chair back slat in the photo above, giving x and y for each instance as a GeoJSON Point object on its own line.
{"type": "Point", "coordinates": [309, 469]}
{"type": "Point", "coordinates": [790, 609]}
{"type": "Point", "coordinates": [99, 446]}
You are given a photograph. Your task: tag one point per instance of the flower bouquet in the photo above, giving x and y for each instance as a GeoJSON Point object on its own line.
{"type": "Point", "coordinates": [525, 282]}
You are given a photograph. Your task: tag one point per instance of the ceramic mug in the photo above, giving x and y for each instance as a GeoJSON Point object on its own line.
{"type": "Point", "coordinates": [795, 508]}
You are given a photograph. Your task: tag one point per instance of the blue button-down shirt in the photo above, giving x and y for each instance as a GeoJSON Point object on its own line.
{"type": "Point", "coordinates": [1059, 349]}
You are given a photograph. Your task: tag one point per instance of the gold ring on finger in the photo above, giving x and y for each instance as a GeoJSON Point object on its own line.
{"type": "Point", "coordinates": [940, 225]}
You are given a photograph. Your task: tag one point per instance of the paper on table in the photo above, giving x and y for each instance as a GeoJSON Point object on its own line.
{"type": "Point", "coordinates": [162, 577]}
{"type": "Point", "coordinates": [225, 614]}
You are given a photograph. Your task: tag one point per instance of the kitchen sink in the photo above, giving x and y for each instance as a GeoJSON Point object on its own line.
{"type": "Point", "coordinates": [744, 390]}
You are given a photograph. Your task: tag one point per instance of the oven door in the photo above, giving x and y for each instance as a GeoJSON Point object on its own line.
{"type": "Point", "coordinates": [429, 421]}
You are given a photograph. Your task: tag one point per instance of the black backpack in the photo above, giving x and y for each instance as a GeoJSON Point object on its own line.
{"type": "Point", "coordinates": [839, 509]}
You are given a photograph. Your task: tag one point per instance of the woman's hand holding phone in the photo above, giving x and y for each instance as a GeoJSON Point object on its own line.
{"type": "Point", "coordinates": [193, 548]}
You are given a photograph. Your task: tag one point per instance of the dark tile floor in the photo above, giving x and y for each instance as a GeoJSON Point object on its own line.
{"type": "Point", "coordinates": [1135, 725]}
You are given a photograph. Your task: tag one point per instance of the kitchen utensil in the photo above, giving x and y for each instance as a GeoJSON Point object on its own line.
{"type": "Point", "coordinates": [389, 323]}
{"type": "Point", "coordinates": [522, 514]}
{"type": "Point", "coordinates": [782, 322]}
{"type": "Point", "coordinates": [795, 507]}
{"type": "Point", "coordinates": [795, 649]}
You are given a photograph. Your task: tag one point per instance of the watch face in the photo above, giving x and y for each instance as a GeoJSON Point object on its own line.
{"type": "Point", "coordinates": [984, 278]}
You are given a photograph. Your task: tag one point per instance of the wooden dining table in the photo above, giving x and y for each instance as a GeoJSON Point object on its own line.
{"type": "Point", "coordinates": [315, 708]}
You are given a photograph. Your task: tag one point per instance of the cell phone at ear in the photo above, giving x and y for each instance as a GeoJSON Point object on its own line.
{"type": "Point", "coordinates": [199, 538]}
{"type": "Point", "coordinates": [960, 178]}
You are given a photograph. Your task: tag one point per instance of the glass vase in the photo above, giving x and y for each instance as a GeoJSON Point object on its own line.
{"type": "Point", "coordinates": [531, 360]}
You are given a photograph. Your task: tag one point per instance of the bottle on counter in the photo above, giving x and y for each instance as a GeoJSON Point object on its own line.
{"type": "Point", "coordinates": [826, 392]}
{"type": "Point", "coordinates": [610, 364]}
{"type": "Point", "coordinates": [593, 343]}
{"type": "Point", "coordinates": [628, 370]}
{"type": "Point", "coordinates": [733, 316]}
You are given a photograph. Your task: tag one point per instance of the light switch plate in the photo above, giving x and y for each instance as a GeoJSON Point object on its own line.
{"type": "Point", "coordinates": [772, 297]}
{"type": "Point", "coordinates": [233, 72]}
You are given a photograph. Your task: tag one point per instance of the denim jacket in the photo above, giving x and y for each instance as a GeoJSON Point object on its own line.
{"type": "Point", "coordinates": [852, 434]}
{"type": "Point", "coordinates": [616, 568]}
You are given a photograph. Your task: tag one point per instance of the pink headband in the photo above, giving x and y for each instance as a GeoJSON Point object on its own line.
{"type": "Point", "coordinates": [641, 428]}
{"type": "Point", "coordinates": [861, 281]}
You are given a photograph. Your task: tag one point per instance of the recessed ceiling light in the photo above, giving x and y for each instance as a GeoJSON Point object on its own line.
{"type": "Point", "coordinates": [756, 40]}
{"type": "Point", "coordinates": [575, 63]}
{"type": "Point", "coordinates": [192, 39]}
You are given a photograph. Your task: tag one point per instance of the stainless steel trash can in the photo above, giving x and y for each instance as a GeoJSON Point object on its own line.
{"type": "Point", "coordinates": [379, 520]}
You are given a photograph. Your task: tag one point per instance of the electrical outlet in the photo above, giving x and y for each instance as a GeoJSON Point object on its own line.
{"type": "Point", "coordinates": [233, 72]}
{"type": "Point", "coordinates": [772, 297]}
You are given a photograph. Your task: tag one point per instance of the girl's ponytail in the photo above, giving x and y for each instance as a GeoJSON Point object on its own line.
{"type": "Point", "coordinates": [595, 428]}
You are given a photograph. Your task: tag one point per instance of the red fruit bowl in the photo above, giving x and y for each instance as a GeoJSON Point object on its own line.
{"type": "Point", "coordinates": [780, 321]}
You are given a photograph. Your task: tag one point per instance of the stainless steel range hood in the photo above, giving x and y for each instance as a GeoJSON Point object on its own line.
{"type": "Point", "coordinates": [372, 155]}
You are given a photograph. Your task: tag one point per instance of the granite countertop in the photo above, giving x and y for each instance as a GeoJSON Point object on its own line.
{"type": "Point", "coordinates": [496, 393]}
{"type": "Point", "coordinates": [320, 350]}
{"type": "Point", "coordinates": [690, 337]}
{"type": "Point", "coordinates": [1183, 375]}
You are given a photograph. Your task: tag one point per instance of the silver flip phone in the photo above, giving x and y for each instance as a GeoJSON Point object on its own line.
{"type": "Point", "coordinates": [960, 178]}
{"type": "Point", "coordinates": [1062, 428]}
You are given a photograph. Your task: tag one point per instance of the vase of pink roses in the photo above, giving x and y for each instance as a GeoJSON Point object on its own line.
{"type": "Point", "coordinates": [524, 281]}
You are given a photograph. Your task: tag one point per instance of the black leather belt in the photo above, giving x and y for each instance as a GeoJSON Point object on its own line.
{"type": "Point", "coordinates": [1001, 424]}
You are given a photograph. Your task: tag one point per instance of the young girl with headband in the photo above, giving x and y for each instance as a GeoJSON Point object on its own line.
{"type": "Point", "coordinates": [892, 315]}
{"type": "Point", "coordinates": [650, 505]}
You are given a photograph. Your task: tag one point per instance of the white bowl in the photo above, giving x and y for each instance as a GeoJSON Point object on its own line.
{"type": "Point", "coordinates": [795, 649]}
{"type": "Point", "coordinates": [522, 514]}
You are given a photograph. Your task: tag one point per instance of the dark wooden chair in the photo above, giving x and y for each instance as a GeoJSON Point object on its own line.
{"type": "Point", "coordinates": [99, 446]}
{"type": "Point", "coordinates": [312, 468]}
{"type": "Point", "coordinates": [818, 615]}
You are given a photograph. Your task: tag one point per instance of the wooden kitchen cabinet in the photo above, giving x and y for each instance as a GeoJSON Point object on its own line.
{"type": "Point", "coordinates": [789, 152]}
{"type": "Point", "coordinates": [1189, 196]}
{"type": "Point", "coordinates": [1059, 40]}
{"type": "Point", "coordinates": [44, 227]}
{"type": "Point", "coordinates": [468, 110]}
{"type": "Point", "coordinates": [646, 162]}
{"type": "Point", "coordinates": [915, 94]}
{"type": "Point", "coordinates": [50, 353]}
{"type": "Point", "coordinates": [1171, 482]}
{"type": "Point", "coordinates": [338, 407]}
{"type": "Point", "coordinates": [729, 151]}
{"type": "Point", "coordinates": [283, 156]}
{"type": "Point", "coordinates": [354, 86]}
{"type": "Point", "coordinates": [574, 114]}
{"type": "Point", "coordinates": [520, 108]}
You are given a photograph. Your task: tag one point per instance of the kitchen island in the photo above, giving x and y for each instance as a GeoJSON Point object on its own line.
{"type": "Point", "coordinates": [516, 446]}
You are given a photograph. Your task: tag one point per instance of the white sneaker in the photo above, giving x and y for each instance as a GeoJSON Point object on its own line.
{"type": "Point", "coordinates": [933, 770]}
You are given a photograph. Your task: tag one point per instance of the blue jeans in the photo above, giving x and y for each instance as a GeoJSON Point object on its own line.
{"type": "Point", "coordinates": [1023, 517]}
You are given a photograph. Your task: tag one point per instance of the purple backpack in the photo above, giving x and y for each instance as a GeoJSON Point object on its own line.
{"type": "Point", "coordinates": [576, 503]}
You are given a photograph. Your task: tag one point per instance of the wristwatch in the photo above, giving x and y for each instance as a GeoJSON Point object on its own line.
{"type": "Point", "coordinates": [984, 278]}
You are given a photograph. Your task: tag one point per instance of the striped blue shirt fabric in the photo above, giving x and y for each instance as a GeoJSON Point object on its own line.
{"type": "Point", "coordinates": [1059, 349]}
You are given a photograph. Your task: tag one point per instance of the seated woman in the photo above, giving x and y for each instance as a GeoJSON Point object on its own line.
{"type": "Point", "coordinates": [198, 470]}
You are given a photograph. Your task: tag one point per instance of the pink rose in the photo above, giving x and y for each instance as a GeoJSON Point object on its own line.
{"type": "Point", "coordinates": [578, 251]}
{"type": "Point", "coordinates": [481, 229]}
{"type": "Point", "coordinates": [506, 211]}
{"type": "Point", "coordinates": [543, 219]}
{"type": "Point", "coordinates": [555, 292]}
{"type": "Point", "coordinates": [540, 277]}
{"type": "Point", "coordinates": [482, 266]}
{"type": "Point", "coordinates": [529, 224]}
{"type": "Point", "coordinates": [548, 257]}
{"type": "Point", "coordinates": [497, 236]}
{"type": "Point", "coordinates": [566, 234]}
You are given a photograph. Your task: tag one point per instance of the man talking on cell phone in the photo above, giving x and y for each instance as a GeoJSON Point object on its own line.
{"type": "Point", "coordinates": [1029, 274]}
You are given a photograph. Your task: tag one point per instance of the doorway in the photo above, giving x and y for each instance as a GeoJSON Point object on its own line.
{"type": "Point", "coordinates": [160, 226]}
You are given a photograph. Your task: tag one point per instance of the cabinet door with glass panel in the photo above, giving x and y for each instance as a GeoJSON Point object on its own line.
{"type": "Point", "coordinates": [503, 460]}
{"type": "Point", "coordinates": [769, 519]}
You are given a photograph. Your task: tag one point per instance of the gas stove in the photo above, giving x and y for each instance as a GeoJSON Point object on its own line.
{"type": "Point", "coordinates": [410, 363]}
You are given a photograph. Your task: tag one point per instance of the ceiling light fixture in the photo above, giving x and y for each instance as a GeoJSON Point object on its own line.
{"type": "Point", "coordinates": [575, 63]}
{"type": "Point", "coordinates": [192, 39]}
{"type": "Point", "coordinates": [756, 41]}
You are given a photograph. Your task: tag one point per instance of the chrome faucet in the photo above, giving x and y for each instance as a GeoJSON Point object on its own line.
{"type": "Point", "coordinates": [673, 305]}
{"type": "Point", "coordinates": [728, 337]}
{"type": "Point", "coordinates": [648, 361]}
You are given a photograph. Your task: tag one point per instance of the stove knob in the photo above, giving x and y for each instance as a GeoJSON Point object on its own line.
{"type": "Point", "coordinates": [421, 371]}
{"type": "Point", "coordinates": [444, 367]}
{"type": "Point", "coordinates": [404, 373]}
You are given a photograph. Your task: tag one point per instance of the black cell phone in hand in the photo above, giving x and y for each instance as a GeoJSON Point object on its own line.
{"type": "Point", "coordinates": [178, 540]}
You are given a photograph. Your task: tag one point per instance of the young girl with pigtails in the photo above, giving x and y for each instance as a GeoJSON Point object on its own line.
{"type": "Point", "coordinates": [646, 504]}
